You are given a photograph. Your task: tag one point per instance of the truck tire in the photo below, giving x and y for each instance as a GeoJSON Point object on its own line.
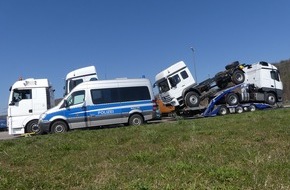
{"type": "Point", "coordinates": [252, 107]}
{"type": "Point", "coordinates": [232, 99]}
{"type": "Point", "coordinates": [192, 99]}
{"type": "Point", "coordinates": [32, 127]}
{"type": "Point", "coordinates": [232, 65]}
{"type": "Point", "coordinates": [239, 109]}
{"type": "Point", "coordinates": [223, 110]}
{"type": "Point", "coordinates": [59, 127]}
{"type": "Point", "coordinates": [238, 77]}
{"type": "Point", "coordinates": [271, 98]}
{"type": "Point", "coordinates": [136, 119]}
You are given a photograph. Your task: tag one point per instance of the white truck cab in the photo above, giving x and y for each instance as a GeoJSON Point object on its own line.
{"type": "Point", "coordinates": [28, 99]}
{"type": "Point", "coordinates": [78, 76]}
{"type": "Point", "coordinates": [172, 81]}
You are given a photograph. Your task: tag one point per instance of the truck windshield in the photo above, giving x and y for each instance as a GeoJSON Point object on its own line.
{"type": "Point", "coordinates": [163, 86]}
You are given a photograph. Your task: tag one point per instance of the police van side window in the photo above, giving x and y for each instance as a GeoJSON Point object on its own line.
{"type": "Point", "coordinates": [76, 98]}
{"type": "Point", "coordinates": [104, 96]}
{"type": "Point", "coordinates": [134, 93]}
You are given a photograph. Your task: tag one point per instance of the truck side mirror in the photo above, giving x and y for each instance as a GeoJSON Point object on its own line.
{"type": "Point", "coordinates": [12, 103]}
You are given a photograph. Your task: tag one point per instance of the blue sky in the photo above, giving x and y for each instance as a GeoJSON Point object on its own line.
{"type": "Point", "coordinates": [131, 38]}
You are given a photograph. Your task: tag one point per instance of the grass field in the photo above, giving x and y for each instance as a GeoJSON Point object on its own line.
{"type": "Point", "coordinates": [239, 151]}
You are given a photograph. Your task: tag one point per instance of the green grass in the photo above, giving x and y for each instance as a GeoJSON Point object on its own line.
{"type": "Point", "coordinates": [239, 151]}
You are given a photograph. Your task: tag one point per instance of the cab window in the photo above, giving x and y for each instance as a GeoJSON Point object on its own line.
{"type": "Point", "coordinates": [174, 80]}
{"type": "Point", "coordinates": [21, 94]}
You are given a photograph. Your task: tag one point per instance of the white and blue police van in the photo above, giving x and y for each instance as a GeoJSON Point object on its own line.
{"type": "Point", "coordinates": [100, 103]}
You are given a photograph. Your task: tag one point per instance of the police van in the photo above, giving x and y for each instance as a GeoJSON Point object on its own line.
{"type": "Point", "coordinates": [102, 102]}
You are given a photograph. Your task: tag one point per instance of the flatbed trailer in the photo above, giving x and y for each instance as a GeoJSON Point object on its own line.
{"type": "Point", "coordinates": [215, 107]}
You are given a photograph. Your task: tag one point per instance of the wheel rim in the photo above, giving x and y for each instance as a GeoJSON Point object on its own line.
{"type": "Point", "coordinates": [193, 100]}
{"type": "Point", "coordinates": [59, 129]}
{"type": "Point", "coordinates": [136, 121]}
{"type": "Point", "coordinates": [239, 77]}
{"type": "Point", "coordinates": [233, 100]}
{"type": "Point", "coordinates": [239, 109]}
{"type": "Point", "coordinates": [252, 108]}
{"type": "Point", "coordinates": [271, 99]}
{"type": "Point", "coordinates": [35, 128]}
{"type": "Point", "coordinates": [223, 111]}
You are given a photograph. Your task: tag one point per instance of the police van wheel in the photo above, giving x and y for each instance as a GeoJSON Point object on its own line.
{"type": "Point", "coordinates": [32, 127]}
{"type": "Point", "coordinates": [59, 127]}
{"type": "Point", "coordinates": [136, 120]}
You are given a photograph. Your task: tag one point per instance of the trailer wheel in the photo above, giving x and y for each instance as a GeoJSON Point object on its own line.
{"type": "Point", "coordinates": [232, 65]}
{"type": "Point", "coordinates": [32, 127]}
{"type": "Point", "coordinates": [136, 119]}
{"type": "Point", "coordinates": [238, 77]}
{"type": "Point", "coordinates": [239, 109]}
{"type": "Point", "coordinates": [192, 99]}
{"type": "Point", "coordinates": [223, 110]}
{"type": "Point", "coordinates": [59, 127]}
{"type": "Point", "coordinates": [252, 107]}
{"type": "Point", "coordinates": [232, 99]}
{"type": "Point", "coordinates": [271, 98]}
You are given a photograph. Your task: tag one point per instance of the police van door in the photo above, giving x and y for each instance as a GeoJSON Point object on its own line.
{"type": "Point", "coordinates": [76, 110]}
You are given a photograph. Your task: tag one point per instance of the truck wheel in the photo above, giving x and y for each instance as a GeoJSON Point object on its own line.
{"type": "Point", "coordinates": [232, 65]}
{"type": "Point", "coordinates": [59, 127]}
{"type": "Point", "coordinates": [252, 107]}
{"type": "Point", "coordinates": [239, 109]}
{"type": "Point", "coordinates": [32, 127]}
{"type": "Point", "coordinates": [223, 110]}
{"type": "Point", "coordinates": [192, 99]}
{"type": "Point", "coordinates": [270, 98]}
{"type": "Point", "coordinates": [232, 99]}
{"type": "Point", "coordinates": [136, 119]}
{"type": "Point", "coordinates": [238, 77]}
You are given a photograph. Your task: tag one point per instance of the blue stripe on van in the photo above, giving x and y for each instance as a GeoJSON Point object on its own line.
{"type": "Point", "coordinates": [102, 109]}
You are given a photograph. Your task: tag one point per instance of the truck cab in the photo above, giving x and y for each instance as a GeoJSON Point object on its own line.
{"type": "Point", "coordinates": [78, 76]}
{"type": "Point", "coordinates": [27, 100]}
{"type": "Point", "coordinates": [172, 81]}
{"type": "Point", "coordinates": [266, 78]}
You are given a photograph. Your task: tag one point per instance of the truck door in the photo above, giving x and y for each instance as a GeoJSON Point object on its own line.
{"type": "Point", "coordinates": [76, 110]}
{"type": "Point", "coordinates": [20, 107]}
{"type": "Point", "coordinates": [179, 82]}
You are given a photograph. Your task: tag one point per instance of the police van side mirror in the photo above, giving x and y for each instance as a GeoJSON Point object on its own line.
{"type": "Point", "coordinates": [65, 103]}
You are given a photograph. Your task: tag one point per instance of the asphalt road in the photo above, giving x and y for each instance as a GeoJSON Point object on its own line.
{"type": "Point", "coordinates": [4, 135]}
